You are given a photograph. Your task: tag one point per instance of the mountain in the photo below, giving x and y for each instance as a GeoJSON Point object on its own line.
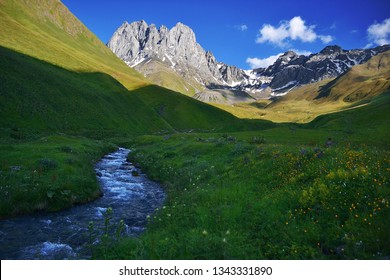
{"type": "Point", "coordinates": [291, 70]}
{"type": "Point", "coordinates": [56, 75]}
{"type": "Point", "coordinates": [356, 87]}
{"type": "Point", "coordinates": [174, 59]}
{"type": "Point", "coordinates": [150, 50]}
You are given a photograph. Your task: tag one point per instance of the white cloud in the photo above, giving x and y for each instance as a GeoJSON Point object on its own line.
{"type": "Point", "coordinates": [294, 29]}
{"type": "Point", "coordinates": [255, 62]}
{"type": "Point", "coordinates": [379, 33]}
{"type": "Point", "coordinates": [274, 35]}
{"type": "Point", "coordinates": [298, 30]}
{"type": "Point", "coordinates": [326, 39]}
{"type": "Point", "coordinates": [242, 27]}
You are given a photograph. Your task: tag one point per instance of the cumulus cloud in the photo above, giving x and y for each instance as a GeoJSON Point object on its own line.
{"type": "Point", "coordinates": [294, 29]}
{"type": "Point", "coordinates": [299, 30]}
{"type": "Point", "coordinates": [379, 33]}
{"type": "Point", "coordinates": [255, 62]}
{"type": "Point", "coordinates": [326, 39]}
{"type": "Point", "coordinates": [241, 27]}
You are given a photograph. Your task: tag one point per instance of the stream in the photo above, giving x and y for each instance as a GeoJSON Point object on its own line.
{"type": "Point", "coordinates": [65, 235]}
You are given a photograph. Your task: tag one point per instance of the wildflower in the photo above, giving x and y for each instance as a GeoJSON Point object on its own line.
{"type": "Point", "coordinates": [224, 240]}
{"type": "Point", "coordinates": [227, 232]}
{"type": "Point", "coordinates": [204, 232]}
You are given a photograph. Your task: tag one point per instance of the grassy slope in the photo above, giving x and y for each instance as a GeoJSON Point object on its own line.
{"type": "Point", "coordinates": [360, 82]}
{"type": "Point", "coordinates": [186, 114]}
{"type": "Point", "coordinates": [47, 30]}
{"type": "Point", "coordinates": [368, 123]}
{"type": "Point", "coordinates": [43, 98]}
{"type": "Point", "coordinates": [161, 74]}
{"type": "Point", "coordinates": [271, 194]}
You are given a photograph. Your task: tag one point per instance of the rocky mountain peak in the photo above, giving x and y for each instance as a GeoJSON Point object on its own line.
{"type": "Point", "coordinates": [138, 43]}
{"type": "Point", "coordinates": [177, 47]}
{"type": "Point", "coordinates": [331, 50]}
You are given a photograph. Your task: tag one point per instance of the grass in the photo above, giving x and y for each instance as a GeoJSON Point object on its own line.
{"type": "Point", "coordinates": [41, 101]}
{"type": "Point", "coordinates": [161, 74]}
{"type": "Point", "coordinates": [235, 197]}
{"type": "Point", "coordinates": [237, 189]}
{"type": "Point", "coordinates": [48, 31]}
{"type": "Point", "coordinates": [186, 114]}
{"type": "Point", "coordinates": [278, 193]}
{"type": "Point", "coordinates": [58, 79]}
{"type": "Point", "coordinates": [48, 174]}
{"type": "Point", "coordinates": [38, 96]}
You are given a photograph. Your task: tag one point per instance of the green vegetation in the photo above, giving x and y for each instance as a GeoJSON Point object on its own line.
{"type": "Point", "coordinates": [40, 97]}
{"type": "Point", "coordinates": [42, 100]}
{"type": "Point", "coordinates": [48, 174]}
{"type": "Point", "coordinates": [57, 80]}
{"type": "Point", "coordinates": [236, 188]}
{"type": "Point", "coordinates": [162, 75]}
{"type": "Point", "coordinates": [48, 31]}
{"type": "Point", "coordinates": [273, 194]}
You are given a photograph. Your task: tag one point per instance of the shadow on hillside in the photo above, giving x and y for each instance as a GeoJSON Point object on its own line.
{"type": "Point", "coordinates": [40, 96]}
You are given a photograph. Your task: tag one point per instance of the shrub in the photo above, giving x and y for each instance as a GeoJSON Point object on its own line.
{"type": "Point", "coordinates": [47, 164]}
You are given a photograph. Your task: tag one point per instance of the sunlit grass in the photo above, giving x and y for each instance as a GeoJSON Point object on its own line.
{"type": "Point", "coordinates": [232, 198]}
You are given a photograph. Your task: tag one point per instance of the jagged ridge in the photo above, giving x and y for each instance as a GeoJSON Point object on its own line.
{"type": "Point", "coordinates": [140, 45]}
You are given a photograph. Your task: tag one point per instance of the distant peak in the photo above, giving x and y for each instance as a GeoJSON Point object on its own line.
{"type": "Point", "coordinates": [182, 26]}
{"type": "Point", "coordinates": [289, 54]}
{"type": "Point", "coordinates": [331, 50]}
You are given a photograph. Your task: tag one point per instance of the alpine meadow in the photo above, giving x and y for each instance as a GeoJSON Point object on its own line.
{"type": "Point", "coordinates": [287, 161]}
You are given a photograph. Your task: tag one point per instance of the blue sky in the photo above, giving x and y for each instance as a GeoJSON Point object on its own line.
{"type": "Point", "coordinates": [250, 33]}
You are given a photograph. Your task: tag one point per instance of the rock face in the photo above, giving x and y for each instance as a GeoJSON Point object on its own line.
{"type": "Point", "coordinates": [291, 69]}
{"type": "Point", "coordinates": [138, 44]}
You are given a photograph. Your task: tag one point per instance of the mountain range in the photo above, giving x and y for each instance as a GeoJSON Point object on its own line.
{"type": "Point", "coordinates": [173, 58]}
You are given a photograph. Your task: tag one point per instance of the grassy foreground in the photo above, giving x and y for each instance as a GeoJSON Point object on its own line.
{"type": "Point", "coordinates": [271, 194]}
{"type": "Point", "coordinates": [249, 197]}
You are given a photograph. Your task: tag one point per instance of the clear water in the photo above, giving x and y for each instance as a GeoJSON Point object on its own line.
{"type": "Point", "coordinates": [65, 235]}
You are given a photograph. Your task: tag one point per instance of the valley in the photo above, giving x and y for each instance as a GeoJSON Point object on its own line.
{"type": "Point", "coordinates": [303, 175]}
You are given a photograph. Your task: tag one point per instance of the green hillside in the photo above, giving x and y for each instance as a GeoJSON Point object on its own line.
{"type": "Point", "coordinates": [39, 97]}
{"type": "Point", "coordinates": [58, 79]}
{"type": "Point", "coordinates": [47, 30]}
{"type": "Point", "coordinates": [369, 122]}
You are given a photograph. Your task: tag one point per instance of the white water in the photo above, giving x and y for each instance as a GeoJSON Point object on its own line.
{"type": "Point", "coordinates": [65, 235]}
